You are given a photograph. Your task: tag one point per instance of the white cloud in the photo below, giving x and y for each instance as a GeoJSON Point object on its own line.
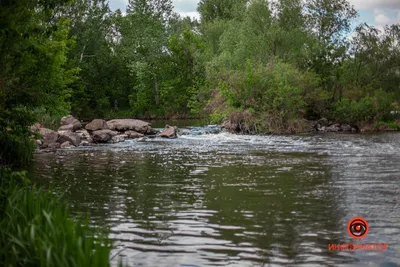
{"type": "Point", "coordinates": [195, 15]}
{"type": "Point", "coordinates": [373, 4]}
{"type": "Point", "coordinates": [381, 19]}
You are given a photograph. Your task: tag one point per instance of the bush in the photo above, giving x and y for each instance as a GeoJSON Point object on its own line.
{"type": "Point", "coordinates": [16, 146]}
{"type": "Point", "coordinates": [353, 112]}
{"type": "Point", "coordinates": [37, 230]}
{"type": "Point", "coordinates": [366, 109]}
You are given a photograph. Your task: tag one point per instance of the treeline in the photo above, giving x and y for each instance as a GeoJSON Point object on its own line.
{"type": "Point", "coordinates": [269, 64]}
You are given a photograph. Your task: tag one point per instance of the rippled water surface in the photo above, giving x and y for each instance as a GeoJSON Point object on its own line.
{"type": "Point", "coordinates": [227, 200]}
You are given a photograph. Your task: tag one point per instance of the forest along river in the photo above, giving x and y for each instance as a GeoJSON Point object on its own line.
{"type": "Point", "coordinates": [230, 200]}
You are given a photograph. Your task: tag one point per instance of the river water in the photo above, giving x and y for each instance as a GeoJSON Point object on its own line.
{"type": "Point", "coordinates": [230, 200]}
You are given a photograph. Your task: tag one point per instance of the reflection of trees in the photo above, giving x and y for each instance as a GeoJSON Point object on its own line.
{"type": "Point", "coordinates": [287, 212]}
{"type": "Point", "coordinates": [85, 179]}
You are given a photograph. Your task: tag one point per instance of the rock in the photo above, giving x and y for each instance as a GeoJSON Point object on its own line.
{"type": "Point", "coordinates": [96, 125]}
{"type": "Point", "coordinates": [49, 137]}
{"type": "Point", "coordinates": [323, 122]}
{"type": "Point", "coordinates": [44, 131]}
{"type": "Point", "coordinates": [68, 127]}
{"type": "Point", "coordinates": [130, 124]}
{"type": "Point", "coordinates": [73, 138]}
{"type": "Point", "coordinates": [84, 135]}
{"type": "Point", "coordinates": [133, 134]}
{"type": "Point", "coordinates": [85, 143]}
{"type": "Point", "coordinates": [35, 128]}
{"type": "Point", "coordinates": [70, 120]}
{"type": "Point", "coordinates": [346, 128]}
{"type": "Point", "coordinates": [67, 144]}
{"type": "Point", "coordinates": [184, 132]}
{"type": "Point", "coordinates": [142, 139]}
{"type": "Point", "coordinates": [169, 132]}
{"type": "Point", "coordinates": [39, 142]}
{"type": "Point", "coordinates": [119, 138]}
{"type": "Point", "coordinates": [103, 136]}
{"type": "Point", "coordinates": [53, 145]}
{"type": "Point", "coordinates": [333, 128]}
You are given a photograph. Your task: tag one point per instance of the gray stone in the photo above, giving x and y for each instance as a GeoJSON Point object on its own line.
{"type": "Point", "coordinates": [97, 124]}
{"type": "Point", "coordinates": [346, 128]}
{"type": "Point", "coordinates": [169, 132]}
{"type": "Point", "coordinates": [67, 144]}
{"type": "Point", "coordinates": [103, 136]}
{"type": "Point", "coordinates": [333, 128]}
{"type": "Point", "coordinates": [68, 127]}
{"type": "Point", "coordinates": [130, 124]}
{"type": "Point", "coordinates": [50, 137]}
{"type": "Point", "coordinates": [119, 138]}
{"type": "Point", "coordinates": [35, 128]}
{"type": "Point", "coordinates": [323, 122]}
{"type": "Point", "coordinates": [133, 134]}
{"type": "Point", "coordinates": [72, 137]}
{"type": "Point", "coordinates": [70, 120]}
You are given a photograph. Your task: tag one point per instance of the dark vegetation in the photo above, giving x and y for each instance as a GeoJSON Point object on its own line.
{"type": "Point", "coordinates": [263, 67]}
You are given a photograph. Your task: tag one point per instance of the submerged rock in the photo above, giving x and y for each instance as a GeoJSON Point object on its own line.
{"type": "Point", "coordinates": [130, 124]}
{"type": "Point", "coordinates": [119, 138]}
{"type": "Point", "coordinates": [97, 124]}
{"type": "Point", "coordinates": [67, 144]}
{"type": "Point", "coordinates": [133, 134]}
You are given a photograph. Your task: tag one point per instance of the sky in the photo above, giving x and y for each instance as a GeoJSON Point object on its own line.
{"type": "Point", "coordinates": [375, 12]}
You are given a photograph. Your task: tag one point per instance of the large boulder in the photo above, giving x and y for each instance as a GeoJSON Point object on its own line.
{"type": "Point", "coordinates": [103, 136]}
{"type": "Point", "coordinates": [169, 132]}
{"type": "Point", "coordinates": [44, 131]}
{"type": "Point", "coordinates": [130, 124]}
{"type": "Point", "coordinates": [68, 127]}
{"type": "Point", "coordinates": [96, 125]}
{"type": "Point", "coordinates": [71, 137]}
{"type": "Point", "coordinates": [133, 134]}
{"type": "Point", "coordinates": [70, 120]}
{"type": "Point", "coordinates": [50, 137]}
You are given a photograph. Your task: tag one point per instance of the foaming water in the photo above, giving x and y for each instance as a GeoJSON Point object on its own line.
{"type": "Point", "coordinates": [232, 200]}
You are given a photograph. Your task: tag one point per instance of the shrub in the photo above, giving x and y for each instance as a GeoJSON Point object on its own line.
{"type": "Point", "coordinates": [353, 112]}
{"type": "Point", "coordinates": [16, 146]}
{"type": "Point", "coordinates": [37, 230]}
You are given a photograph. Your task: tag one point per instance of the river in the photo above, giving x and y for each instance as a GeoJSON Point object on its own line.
{"type": "Point", "coordinates": [231, 200]}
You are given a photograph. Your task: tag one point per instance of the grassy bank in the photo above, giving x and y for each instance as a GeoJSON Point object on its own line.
{"type": "Point", "coordinates": [36, 229]}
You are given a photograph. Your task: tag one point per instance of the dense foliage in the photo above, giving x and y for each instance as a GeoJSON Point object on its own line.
{"type": "Point", "coordinates": [280, 61]}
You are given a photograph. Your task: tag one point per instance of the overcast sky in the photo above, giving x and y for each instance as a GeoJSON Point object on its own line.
{"type": "Point", "coordinates": [376, 12]}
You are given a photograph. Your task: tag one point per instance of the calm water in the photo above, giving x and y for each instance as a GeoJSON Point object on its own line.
{"type": "Point", "coordinates": [227, 200]}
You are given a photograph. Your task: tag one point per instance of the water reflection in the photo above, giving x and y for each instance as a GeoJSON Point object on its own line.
{"type": "Point", "coordinates": [222, 200]}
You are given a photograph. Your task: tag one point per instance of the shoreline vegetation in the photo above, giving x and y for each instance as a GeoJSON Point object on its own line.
{"type": "Point", "coordinates": [253, 66]}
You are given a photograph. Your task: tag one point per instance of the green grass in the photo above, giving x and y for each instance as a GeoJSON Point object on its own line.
{"type": "Point", "coordinates": [36, 229]}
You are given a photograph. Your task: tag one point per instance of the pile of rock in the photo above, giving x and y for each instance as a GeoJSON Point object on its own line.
{"type": "Point", "coordinates": [324, 126]}
{"type": "Point", "coordinates": [72, 134]}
